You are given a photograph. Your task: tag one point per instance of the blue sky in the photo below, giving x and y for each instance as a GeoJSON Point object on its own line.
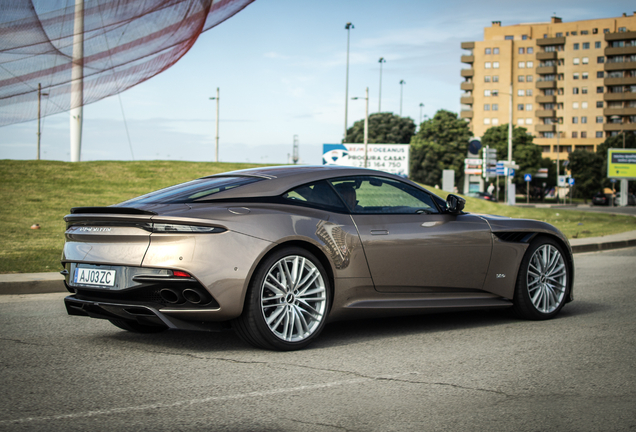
{"type": "Point", "coordinates": [280, 65]}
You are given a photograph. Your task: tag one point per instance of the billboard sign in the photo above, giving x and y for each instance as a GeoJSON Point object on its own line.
{"type": "Point", "coordinates": [621, 163]}
{"type": "Point", "coordinates": [391, 158]}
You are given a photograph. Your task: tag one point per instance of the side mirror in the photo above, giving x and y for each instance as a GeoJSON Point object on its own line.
{"type": "Point", "coordinates": [455, 204]}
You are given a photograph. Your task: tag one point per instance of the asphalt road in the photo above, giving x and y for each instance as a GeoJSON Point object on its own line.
{"type": "Point", "coordinates": [478, 371]}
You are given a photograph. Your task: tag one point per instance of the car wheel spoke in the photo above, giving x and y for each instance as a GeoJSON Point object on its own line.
{"type": "Point", "coordinates": [546, 278]}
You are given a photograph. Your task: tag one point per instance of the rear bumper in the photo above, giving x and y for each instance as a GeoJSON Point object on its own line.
{"type": "Point", "coordinates": [142, 314]}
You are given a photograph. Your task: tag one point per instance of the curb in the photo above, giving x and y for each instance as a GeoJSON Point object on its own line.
{"type": "Point", "coordinates": [595, 247]}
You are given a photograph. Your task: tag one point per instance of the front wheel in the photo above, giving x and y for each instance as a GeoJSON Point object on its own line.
{"type": "Point", "coordinates": [287, 302]}
{"type": "Point", "coordinates": [542, 282]}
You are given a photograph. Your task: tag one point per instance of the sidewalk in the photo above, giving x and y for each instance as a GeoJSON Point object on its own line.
{"type": "Point", "coordinates": [38, 283]}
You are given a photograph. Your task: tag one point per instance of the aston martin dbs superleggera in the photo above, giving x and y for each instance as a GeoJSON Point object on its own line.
{"type": "Point", "coordinates": [275, 253]}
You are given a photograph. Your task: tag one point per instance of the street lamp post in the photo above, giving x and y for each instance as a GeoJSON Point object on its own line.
{"type": "Point", "coordinates": [40, 94]}
{"type": "Point", "coordinates": [216, 139]}
{"type": "Point", "coordinates": [402, 82]}
{"type": "Point", "coordinates": [421, 106]}
{"type": "Point", "coordinates": [348, 28]}
{"type": "Point", "coordinates": [366, 124]}
{"type": "Point", "coordinates": [380, 96]}
{"type": "Point", "coordinates": [556, 128]}
{"type": "Point", "coordinates": [508, 177]}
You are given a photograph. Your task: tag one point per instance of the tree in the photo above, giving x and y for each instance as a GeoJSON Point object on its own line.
{"type": "Point", "coordinates": [587, 169]}
{"type": "Point", "coordinates": [524, 152]}
{"type": "Point", "coordinates": [441, 143]}
{"type": "Point", "coordinates": [384, 128]}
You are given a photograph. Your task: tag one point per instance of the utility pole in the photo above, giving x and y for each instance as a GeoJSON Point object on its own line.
{"type": "Point", "coordinates": [40, 94]}
{"type": "Point", "coordinates": [295, 157]}
{"type": "Point", "coordinates": [402, 82]}
{"type": "Point", "coordinates": [380, 96]}
{"type": "Point", "coordinates": [216, 139]}
{"type": "Point", "coordinates": [77, 83]}
{"type": "Point", "coordinates": [348, 28]}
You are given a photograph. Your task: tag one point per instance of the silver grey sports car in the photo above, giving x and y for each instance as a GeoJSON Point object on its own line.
{"type": "Point", "coordinates": [275, 253]}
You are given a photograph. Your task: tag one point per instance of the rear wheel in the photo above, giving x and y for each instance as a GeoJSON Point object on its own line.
{"type": "Point", "coordinates": [135, 327]}
{"type": "Point", "coordinates": [287, 302]}
{"type": "Point", "coordinates": [542, 282]}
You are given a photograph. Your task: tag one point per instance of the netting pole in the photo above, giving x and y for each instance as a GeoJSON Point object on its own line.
{"type": "Point", "coordinates": [77, 82]}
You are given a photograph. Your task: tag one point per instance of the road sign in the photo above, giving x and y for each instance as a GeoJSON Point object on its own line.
{"type": "Point", "coordinates": [571, 181]}
{"type": "Point", "coordinates": [542, 173]}
{"type": "Point", "coordinates": [474, 144]}
{"type": "Point", "coordinates": [562, 181]}
{"type": "Point", "coordinates": [527, 177]}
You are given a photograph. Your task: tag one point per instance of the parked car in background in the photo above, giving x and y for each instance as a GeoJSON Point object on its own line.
{"type": "Point", "coordinates": [483, 195]}
{"type": "Point", "coordinates": [601, 199]}
{"type": "Point", "coordinates": [631, 199]}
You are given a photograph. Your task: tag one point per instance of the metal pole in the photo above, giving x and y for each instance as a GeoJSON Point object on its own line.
{"type": "Point", "coordinates": [557, 159]}
{"type": "Point", "coordinates": [380, 96]}
{"type": "Point", "coordinates": [216, 139]}
{"type": "Point", "coordinates": [508, 177]}
{"type": "Point", "coordinates": [77, 82]}
{"type": "Point", "coordinates": [348, 27]}
{"type": "Point", "coordinates": [421, 106]}
{"type": "Point", "coordinates": [366, 126]}
{"type": "Point", "coordinates": [402, 82]}
{"type": "Point", "coordinates": [39, 100]}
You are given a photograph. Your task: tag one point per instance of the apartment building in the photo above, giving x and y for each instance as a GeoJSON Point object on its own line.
{"type": "Point", "coordinates": [575, 79]}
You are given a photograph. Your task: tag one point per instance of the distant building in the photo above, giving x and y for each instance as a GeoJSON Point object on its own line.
{"type": "Point", "coordinates": [581, 74]}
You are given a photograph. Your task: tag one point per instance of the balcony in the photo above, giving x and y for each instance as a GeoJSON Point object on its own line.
{"type": "Point", "coordinates": [545, 128]}
{"type": "Point", "coordinates": [620, 50]}
{"type": "Point", "coordinates": [608, 97]}
{"type": "Point", "coordinates": [468, 73]}
{"type": "Point", "coordinates": [544, 70]}
{"type": "Point", "coordinates": [620, 36]}
{"type": "Point", "coordinates": [546, 84]}
{"type": "Point", "coordinates": [619, 66]}
{"type": "Point", "coordinates": [467, 114]}
{"type": "Point", "coordinates": [468, 59]}
{"type": "Point", "coordinates": [546, 99]}
{"type": "Point", "coordinates": [620, 81]}
{"type": "Point", "coordinates": [619, 111]}
{"type": "Point", "coordinates": [617, 127]}
{"type": "Point", "coordinates": [467, 100]}
{"type": "Point", "coordinates": [547, 55]}
{"type": "Point", "coordinates": [546, 113]}
{"type": "Point", "coordinates": [552, 41]}
{"type": "Point", "coordinates": [468, 86]}
{"type": "Point", "coordinates": [468, 45]}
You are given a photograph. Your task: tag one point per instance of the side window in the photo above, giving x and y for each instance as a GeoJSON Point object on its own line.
{"type": "Point", "coordinates": [373, 195]}
{"type": "Point", "coordinates": [318, 194]}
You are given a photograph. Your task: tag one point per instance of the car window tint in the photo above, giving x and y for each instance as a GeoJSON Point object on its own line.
{"type": "Point", "coordinates": [318, 194]}
{"type": "Point", "coordinates": [368, 194]}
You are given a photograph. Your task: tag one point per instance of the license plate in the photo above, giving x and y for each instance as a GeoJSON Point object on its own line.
{"type": "Point", "coordinates": [89, 276]}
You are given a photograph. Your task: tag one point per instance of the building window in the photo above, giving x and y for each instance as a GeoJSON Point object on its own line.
{"type": "Point", "coordinates": [575, 105]}
{"type": "Point", "coordinates": [600, 74]}
{"type": "Point", "coordinates": [599, 104]}
{"type": "Point", "coordinates": [585, 60]}
{"type": "Point", "coordinates": [599, 119]}
{"type": "Point", "coordinates": [520, 122]}
{"type": "Point", "coordinates": [488, 51]}
{"type": "Point", "coordinates": [583, 90]}
{"type": "Point", "coordinates": [529, 92]}
{"type": "Point", "coordinates": [486, 121]}
{"type": "Point", "coordinates": [521, 92]}
{"type": "Point", "coordinates": [495, 50]}
{"type": "Point", "coordinates": [597, 44]}
{"type": "Point", "coordinates": [528, 121]}
{"type": "Point", "coordinates": [522, 50]}
{"type": "Point", "coordinates": [599, 134]}
{"type": "Point", "coordinates": [584, 32]}
{"type": "Point", "coordinates": [495, 65]}
{"type": "Point", "coordinates": [509, 37]}
{"type": "Point", "coordinates": [600, 59]}
{"type": "Point", "coordinates": [519, 107]}
{"type": "Point", "coordinates": [495, 121]}
{"type": "Point", "coordinates": [584, 105]}
{"type": "Point", "coordinates": [576, 75]}
{"type": "Point", "coordinates": [594, 31]}
{"type": "Point", "coordinates": [521, 78]}
{"type": "Point", "coordinates": [495, 107]}
{"type": "Point", "coordinates": [524, 37]}
{"type": "Point", "coordinates": [486, 78]}
{"type": "Point", "coordinates": [622, 29]}
{"type": "Point", "coordinates": [575, 134]}
{"type": "Point", "coordinates": [547, 134]}
{"type": "Point", "coordinates": [529, 64]}
{"type": "Point", "coordinates": [528, 107]}
{"type": "Point", "coordinates": [529, 50]}
{"type": "Point", "coordinates": [486, 107]}
{"type": "Point", "coordinates": [576, 60]}
{"type": "Point", "coordinates": [528, 78]}
{"type": "Point", "coordinates": [486, 93]}
{"type": "Point", "coordinates": [521, 65]}
{"type": "Point", "coordinates": [495, 78]}
{"type": "Point", "coordinates": [575, 120]}
{"type": "Point", "coordinates": [599, 89]}
{"type": "Point", "coordinates": [487, 65]}
{"type": "Point", "coordinates": [605, 30]}
{"type": "Point", "coordinates": [584, 119]}
{"type": "Point", "coordinates": [576, 46]}
{"type": "Point", "coordinates": [495, 92]}
{"type": "Point", "coordinates": [559, 34]}
{"type": "Point", "coordinates": [584, 75]}
{"type": "Point", "coordinates": [575, 90]}
{"type": "Point", "coordinates": [584, 134]}
{"type": "Point", "coordinates": [548, 92]}
{"type": "Point", "coordinates": [586, 45]}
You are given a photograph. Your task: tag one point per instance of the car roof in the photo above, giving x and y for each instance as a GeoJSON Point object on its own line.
{"type": "Point", "coordinates": [279, 179]}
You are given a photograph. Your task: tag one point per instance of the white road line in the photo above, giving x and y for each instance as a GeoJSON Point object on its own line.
{"type": "Point", "coordinates": [187, 402]}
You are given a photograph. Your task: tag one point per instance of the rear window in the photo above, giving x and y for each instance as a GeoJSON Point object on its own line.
{"type": "Point", "coordinates": [192, 191]}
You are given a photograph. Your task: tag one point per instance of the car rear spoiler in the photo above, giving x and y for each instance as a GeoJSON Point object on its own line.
{"type": "Point", "coordinates": [111, 210]}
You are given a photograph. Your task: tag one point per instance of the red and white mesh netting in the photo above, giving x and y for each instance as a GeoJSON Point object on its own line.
{"type": "Point", "coordinates": [125, 43]}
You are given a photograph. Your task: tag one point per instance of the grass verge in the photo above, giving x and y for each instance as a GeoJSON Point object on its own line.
{"type": "Point", "coordinates": [42, 192]}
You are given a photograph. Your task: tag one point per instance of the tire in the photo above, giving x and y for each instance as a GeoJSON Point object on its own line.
{"type": "Point", "coordinates": [287, 302]}
{"type": "Point", "coordinates": [135, 327]}
{"type": "Point", "coordinates": [543, 280]}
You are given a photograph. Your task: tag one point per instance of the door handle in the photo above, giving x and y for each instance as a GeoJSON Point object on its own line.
{"type": "Point", "coordinates": [379, 232]}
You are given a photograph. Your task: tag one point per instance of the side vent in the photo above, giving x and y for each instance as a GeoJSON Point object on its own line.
{"type": "Point", "coordinates": [515, 237]}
